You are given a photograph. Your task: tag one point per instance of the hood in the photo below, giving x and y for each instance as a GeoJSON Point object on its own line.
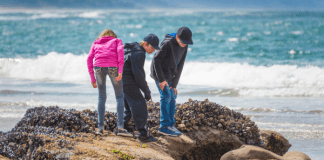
{"type": "Point", "coordinates": [103, 40]}
{"type": "Point", "coordinates": [168, 37]}
{"type": "Point", "coordinates": [130, 47]}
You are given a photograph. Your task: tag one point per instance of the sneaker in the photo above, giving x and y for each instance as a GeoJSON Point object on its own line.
{"type": "Point", "coordinates": [99, 132]}
{"type": "Point", "coordinates": [123, 132]}
{"type": "Point", "coordinates": [148, 138]}
{"type": "Point", "coordinates": [176, 130]}
{"type": "Point", "coordinates": [167, 131]}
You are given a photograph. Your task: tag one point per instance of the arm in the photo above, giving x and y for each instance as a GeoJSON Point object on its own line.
{"type": "Point", "coordinates": [90, 63]}
{"type": "Point", "coordinates": [120, 55]}
{"type": "Point", "coordinates": [179, 68]}
{"type": "Point", "coordinates": [137, 61]}
{"type": "Point", "coordinates": [157, 60]}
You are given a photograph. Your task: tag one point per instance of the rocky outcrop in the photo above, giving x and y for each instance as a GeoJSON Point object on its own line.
{"type": "Point", "coordinates": [209, 131]}
{"type": "Point", "coordinates": [250, 152]}
{"type": "Point", "coordinates": [295, 155]}
{"type": "Point", "coordinates": [210, 144]}
{"type": "Point", "coordinates": [254, 152]}
{"type": "Point", "coordinates": [274, 142]}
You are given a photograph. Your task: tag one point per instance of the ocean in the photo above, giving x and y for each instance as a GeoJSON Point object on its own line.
{"type": "Point", "coordinates": [266, 64]}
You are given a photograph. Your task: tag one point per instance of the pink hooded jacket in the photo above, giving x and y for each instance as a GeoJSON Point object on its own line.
{"type": "Point", "coordinates": [108, 52]}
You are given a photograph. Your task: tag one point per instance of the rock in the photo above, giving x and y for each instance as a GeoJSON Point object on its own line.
{"type": "Point", "coordinates": [210, 144]}
{"type": "Point", "coordinates": [250, 152]}
{"type": "Point", "coordinates": [178, 146]}
{"type": "Point", "coordinates": [209, 131]}
{"type": "Point", "coordinates": [274, 142]}
{"type": "Point", "coordinates": [295, 155]}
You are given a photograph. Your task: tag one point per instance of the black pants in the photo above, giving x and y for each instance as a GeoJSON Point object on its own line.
{"type": "Point", "coordinates": [135, 106]}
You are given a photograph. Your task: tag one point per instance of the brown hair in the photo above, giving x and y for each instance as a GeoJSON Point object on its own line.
{"type": "Point", "coordinates": [107, 32]}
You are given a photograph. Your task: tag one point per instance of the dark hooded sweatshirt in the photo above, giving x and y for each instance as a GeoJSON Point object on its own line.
{"type": "Point", "coordinates": [133, 71]}
{"type": "Point", "coordinates": [167, 63]}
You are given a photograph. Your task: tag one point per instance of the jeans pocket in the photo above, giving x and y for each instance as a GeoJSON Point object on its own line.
{"type": "Point", "coordinates": [97, 70]}
{"type": "Point", "coordinates": [113, 71]}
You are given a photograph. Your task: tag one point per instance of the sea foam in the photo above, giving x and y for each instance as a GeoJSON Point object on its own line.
{"type": "Point", "coordinates": [246, 79]}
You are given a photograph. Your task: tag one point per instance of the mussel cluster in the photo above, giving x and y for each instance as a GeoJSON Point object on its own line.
{"type": "Point", "coordinates": [193, 114]}
{"type": "Point", "coordinates": [47, 125]}
{"type": "Point", "coordinates": [41, 125]}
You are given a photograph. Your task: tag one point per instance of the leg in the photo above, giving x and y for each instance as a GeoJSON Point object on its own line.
{"type": "Point", "coordinates": [101, 82]}
{"type": "Point", "coordinates": [172, 107]}
{"type": "Point", "coordinates": [118, 87]}
{"type": "Point", "coordinates": [127, 112]}
{"type": "Point", "coordinates": [138, 109]}
{"type": "Point", "coordinates": [165, 96]}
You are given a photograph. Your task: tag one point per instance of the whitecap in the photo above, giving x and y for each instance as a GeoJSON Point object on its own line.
{"type": "Point", "coordinates": [220, 33]}
{"type": "Point", "coordinates": [90, 15]}
{"type": "Point", "coordinates": [99, 21]}
{"type": "Point", "coordinates": [232, 39]}
{"type": "Point", "coordinates": [297, 32]}
{"type": "Point", "coordinates": [292, 52]}
{"type": "Point", "coordinates": [132, 35]}
{"type": "Point", "coordinates": [138, 26]}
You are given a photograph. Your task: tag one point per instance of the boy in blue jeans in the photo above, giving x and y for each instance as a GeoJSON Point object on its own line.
{"type": "Point", "coordinates": [166, 70]}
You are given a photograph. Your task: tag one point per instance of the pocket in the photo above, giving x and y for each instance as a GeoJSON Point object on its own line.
{"type": "Point", "coordinates": [113, 71]}
{"type": "Point", "coordinates": [97, 70]}
{"type": "Point", "coordinates": [174, 96]}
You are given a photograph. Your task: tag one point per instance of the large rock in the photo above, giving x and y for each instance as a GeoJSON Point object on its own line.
{"type": "Point", "coordinates": [250, 152]}
{"type": "Point", "coordinates": [274, 142]}
{"type": "Point", "coordinates": [295, 155]}
{"type": "Point", "coordinates": [177, 146]}
{"type": "Point", "coordinates": [210, 144]}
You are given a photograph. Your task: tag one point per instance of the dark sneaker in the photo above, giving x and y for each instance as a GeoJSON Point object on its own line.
{"type": "Point", "coordinates": [176, 130]}
{"type": "Point", "coordinates": [167, 131]}
{"type": "Point", "coordinates": [148, 138]}
{"type": "Point", "coordinates": [123, 132]}
{"type": "Point", "coordinates": [128, 127]}
{"type": "Point", "coordinates": [99, 132]}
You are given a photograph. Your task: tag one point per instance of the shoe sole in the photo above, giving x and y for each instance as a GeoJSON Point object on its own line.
{"type": "Point", "coordinates": [166, 134]}
{"type": "Point", "coordinates": [124, 135]}
{"type": "Point", "coordinates": [147, 141]}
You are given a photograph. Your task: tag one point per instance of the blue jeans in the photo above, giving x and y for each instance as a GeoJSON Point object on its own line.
{"type": "Point", "coordinates": [167, 105]}
{"type": "Point", "coordinates": [101, 74]}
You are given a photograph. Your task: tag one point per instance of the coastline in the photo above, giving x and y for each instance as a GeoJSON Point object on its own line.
{"type": "Point", "coordinates": [52, 132]}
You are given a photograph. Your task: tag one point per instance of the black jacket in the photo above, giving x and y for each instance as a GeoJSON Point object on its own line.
{"type": "Point", "coordinates": [167, 63]}
{"type": "Point", "coordinates": [133, 71]}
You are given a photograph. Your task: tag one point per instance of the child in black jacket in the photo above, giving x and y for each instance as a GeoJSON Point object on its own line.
{"type": "Point", "coordinates": [134, 81]}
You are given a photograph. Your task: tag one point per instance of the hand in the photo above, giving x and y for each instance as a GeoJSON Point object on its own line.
{"type": "Point", "coordinates": [151, 100]}
{"type": "Point", "coordinates": [175, 90]}
{"type": "Point", "coordinates": [120, 75]}
{"type": "Point", "coordinates": [94, 84]}
{"type": "Point", "coordinates": [162, 84]}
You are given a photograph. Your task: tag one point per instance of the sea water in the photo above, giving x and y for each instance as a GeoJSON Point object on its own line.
{"type": "Point", "coordinates": [265, 64]}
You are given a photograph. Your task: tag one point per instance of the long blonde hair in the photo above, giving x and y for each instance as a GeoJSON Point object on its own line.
{"type": "Point", "coordinates": [107, 32]}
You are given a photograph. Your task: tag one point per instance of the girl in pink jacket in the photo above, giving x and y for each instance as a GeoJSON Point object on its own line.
{"type": "Point", "coordinates": [108, 52]}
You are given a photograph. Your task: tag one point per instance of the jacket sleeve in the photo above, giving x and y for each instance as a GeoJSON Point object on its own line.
{"type": "Point", "coordinates": [137, 65]}
{"type": "Point", "coordinates": [175, 80]}
{"type": "Point", "coordinates": [157, 60]}
{"type": "Point", "coordinates": [90, 63]}
{"type": "Point", "coordinates": [120, 55]}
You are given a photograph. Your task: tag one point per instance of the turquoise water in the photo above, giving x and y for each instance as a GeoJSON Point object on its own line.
{"type": "Point", "coordinates": [267, 64]}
